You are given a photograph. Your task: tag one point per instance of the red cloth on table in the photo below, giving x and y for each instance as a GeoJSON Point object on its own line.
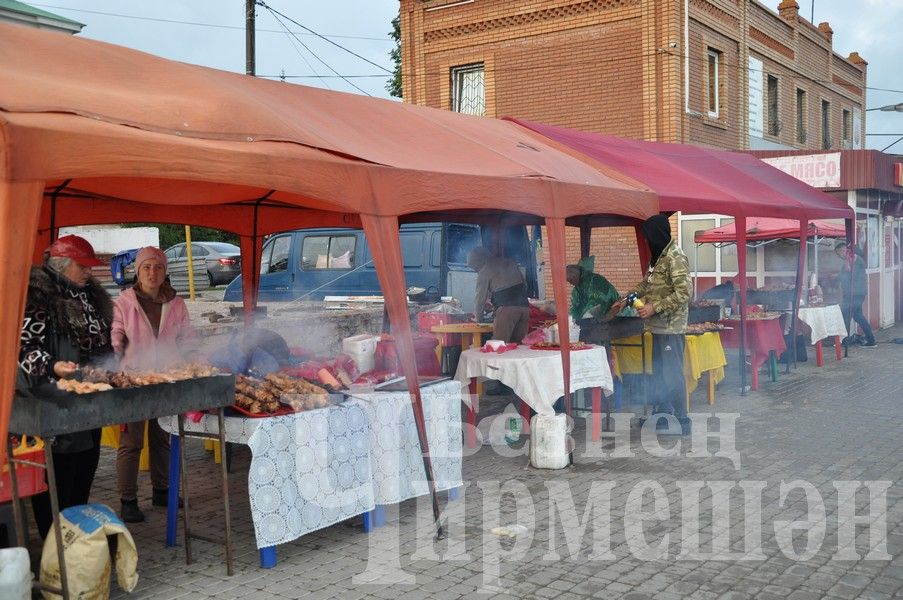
{"type": "Point", "coordinates": [762, 335]}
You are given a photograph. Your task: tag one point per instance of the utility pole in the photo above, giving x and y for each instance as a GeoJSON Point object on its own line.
{"type": "Point", "coordinates": [250, 62]}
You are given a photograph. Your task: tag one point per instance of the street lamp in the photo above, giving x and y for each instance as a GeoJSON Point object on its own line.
{"type": "Point", "coordinates": [888, 108]}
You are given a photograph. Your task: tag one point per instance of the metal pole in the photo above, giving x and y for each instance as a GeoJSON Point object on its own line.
{"type": "Point", "coordinates": [55, 507]}
{"type": "Point", "coordinates": [190, 262]}
{"type": "Point", "coordinates": [250, 60]}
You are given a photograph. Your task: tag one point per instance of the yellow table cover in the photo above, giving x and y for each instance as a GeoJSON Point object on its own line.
{"type": "Point", "coordinates": [702, 353]}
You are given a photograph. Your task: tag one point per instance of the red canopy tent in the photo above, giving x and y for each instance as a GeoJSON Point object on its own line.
{"type": "Point", "coordinates": [95, 133]}
{"type": "Point", "coordinates": [699, 180]}
{"type": "Point", "coordinates": [764, 228]}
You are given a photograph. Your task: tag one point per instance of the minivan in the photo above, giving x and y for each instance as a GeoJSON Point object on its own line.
{"type": "Point", "coordinates": [311, 264]}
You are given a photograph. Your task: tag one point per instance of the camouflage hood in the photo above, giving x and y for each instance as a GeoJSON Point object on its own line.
{"type": "Point", "coordinates": [667, 285]}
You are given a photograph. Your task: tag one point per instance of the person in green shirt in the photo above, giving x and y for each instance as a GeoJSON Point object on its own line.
{"type": "Point", "coordinates": [592, 294]}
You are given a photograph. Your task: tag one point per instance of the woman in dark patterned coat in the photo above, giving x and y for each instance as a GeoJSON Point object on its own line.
{"type": "Point", "coordinates": [67, 323]}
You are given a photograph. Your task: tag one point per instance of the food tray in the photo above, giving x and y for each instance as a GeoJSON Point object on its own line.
{"type": "Point", "coordinates": [548, 346]}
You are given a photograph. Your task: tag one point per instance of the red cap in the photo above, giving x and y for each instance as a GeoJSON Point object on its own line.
{"type": "Point", "coordinates": [77, 248]}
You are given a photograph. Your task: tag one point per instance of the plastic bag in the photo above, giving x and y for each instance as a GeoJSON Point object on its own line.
{"type": "Point", "coordinates": [85, 529]}
{"type": "Point", "coordinates": [534, 337]}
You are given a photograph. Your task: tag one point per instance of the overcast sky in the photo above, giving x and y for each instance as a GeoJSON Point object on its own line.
{"type": "Point", "coordinates": [211, 33]}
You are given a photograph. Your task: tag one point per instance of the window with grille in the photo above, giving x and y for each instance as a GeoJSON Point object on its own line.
{"type": "Point", "coordinates": [801, 116]}
{"type": "Point", "coordinates": [468, 91]}
{"type": "Point", "coordinates": [847, 132]}
{"type": "Point", "coordinates": [714, 91]}
{"type": "Point", "coordinates": [826, 125]}
{"type": "Point", "coordinates": [774, 121]}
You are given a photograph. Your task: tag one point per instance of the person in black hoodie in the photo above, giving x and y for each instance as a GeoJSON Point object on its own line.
{"type": "Point", "coordinates": [67, 324]}
{"type": "Point", "coordinates": [853, 285]}
{"type": "Point", "coordinates": [666, 295]}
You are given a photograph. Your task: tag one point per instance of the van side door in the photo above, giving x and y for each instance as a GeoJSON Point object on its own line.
{"type": "Point", "coordinates": [330, 265]}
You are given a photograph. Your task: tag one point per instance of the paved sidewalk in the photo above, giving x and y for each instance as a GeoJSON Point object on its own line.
{"type": "Point", "coordinates": [820, 427]}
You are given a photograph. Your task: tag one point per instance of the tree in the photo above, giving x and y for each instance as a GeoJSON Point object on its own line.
{"type": "Point", "coordinates": [393, 86]}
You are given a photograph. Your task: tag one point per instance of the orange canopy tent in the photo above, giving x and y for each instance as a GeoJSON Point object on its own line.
{"type": "Point", "coordinates": [96, 133]}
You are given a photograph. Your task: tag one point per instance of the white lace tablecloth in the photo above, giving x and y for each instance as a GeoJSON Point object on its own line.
{"type": "Point", "coordinates": [536, 376]}
{"type": "Point", "coordinates": [824, 321]}
{"type": "Point", "coordinates": [312, 469]}
{"type": "Point", "coordinates": [395, 459]}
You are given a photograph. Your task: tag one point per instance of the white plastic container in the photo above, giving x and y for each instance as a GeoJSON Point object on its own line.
{"type": "Point", "coordinates": [494, 344]}
{"type": "Point", "coordinates": [362, 350]}
{"type": "Point", "coordinates": [364, 361]}
{"type": "Point", "coordinates": [15, 574]}
{"type": "Point", "coordinates": [360, 344]}
{"type": "Point", "coordinates": [548, 441]}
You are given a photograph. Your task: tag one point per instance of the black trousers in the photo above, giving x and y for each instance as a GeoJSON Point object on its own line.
{"type": "Point", "coordinates": [74, 476]}
{"type": "Point", "coordinates": [857, 315]}
{"type": "Point", "coordinates": [668, 386]}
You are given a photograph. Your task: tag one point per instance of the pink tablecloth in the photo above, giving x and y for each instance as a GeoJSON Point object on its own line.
{"type": "Point", "coordinates": [762, 335]}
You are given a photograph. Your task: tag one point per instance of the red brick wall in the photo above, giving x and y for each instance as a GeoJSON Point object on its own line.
{"type": "Point", "coordinates": [617, 67]}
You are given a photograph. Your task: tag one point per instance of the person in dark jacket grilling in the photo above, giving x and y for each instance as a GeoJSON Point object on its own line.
{"type": "Point", "coordinates": [500, 281]}
{"type": "Point", "coordinates": [853, 285]}
{"type": "Point", "coordinates": [67, 325]}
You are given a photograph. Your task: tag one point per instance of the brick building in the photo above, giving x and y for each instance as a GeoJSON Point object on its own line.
{"type": "Point", "coordinates": [731, 74]}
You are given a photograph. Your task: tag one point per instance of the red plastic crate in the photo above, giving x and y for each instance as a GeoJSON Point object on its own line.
{"type": "Point", "coordinates": [29, 479]}
{"type": "Point", "coordinates": [386, 358]}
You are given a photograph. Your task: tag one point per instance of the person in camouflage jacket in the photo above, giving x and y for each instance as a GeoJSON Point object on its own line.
{"type": "Point", "coordinates": [666, 295]}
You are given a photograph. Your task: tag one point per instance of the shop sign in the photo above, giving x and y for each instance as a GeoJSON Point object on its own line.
{"type": "Point", "coordinates": [818, 170]}
{"type": "Point", "coordinates": [898, 174]}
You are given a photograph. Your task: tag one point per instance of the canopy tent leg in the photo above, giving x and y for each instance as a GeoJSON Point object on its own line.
{"type": "Point", "coordinates": [586, 238]}
{"type": "Point", "coordinates": [851, 239]}
{"type": "Point", "coordinates": [557, 259]}
{"type": "Point", "coordinates": [795, 309]}
{"type": "Point", "coordinates": [251, 247]}
{"type": "Point", "coordinates": [20, 208]}
{"type": "Point", "coordinates": [643, 247]}
{"type": "Point", "coordinates": [740, 223]}
{"type": "Point", "coordinates": [385, 248]}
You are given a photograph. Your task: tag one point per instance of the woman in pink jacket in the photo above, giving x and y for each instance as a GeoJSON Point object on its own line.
{"type": "Point", "coordinates": [150, 326]}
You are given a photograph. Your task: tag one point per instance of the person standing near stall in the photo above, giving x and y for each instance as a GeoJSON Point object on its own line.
{"type": "Point", "coordinates": [150, 328]}
{"type": "Point", "coordinates": [593, 294]}
{"type": "Point", "coordinates": [67, 325]}
{"type": "Point", "coordinates": [666, 297]}
{"type": "Point", "coordinates": [853, 285]}
{"type": "Point", "coordinates": [500, 280]}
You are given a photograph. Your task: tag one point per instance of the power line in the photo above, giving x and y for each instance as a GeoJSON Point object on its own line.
{"type": "Point", "coordinates": [275, 16]}
{"type": "Point", "coordinates": [263, 4]}
{"type": "Point", "coordinates": [292, 41]}
{"type": "Point", "coordinates": [200, 24]}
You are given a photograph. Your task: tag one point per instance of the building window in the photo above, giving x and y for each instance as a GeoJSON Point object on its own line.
{"type": "Point", "coordinates": [826, 125]}
{"type": "Point", "coordinates": [468, 92]}
{"type": "Point", "coordinates": [714, 89]}
{"type": "Point", "coordinates": [801, 116]}
{"type": "Point", "coordinates": [774, 122]}
{"type": "Point", "coordinates": [847, 131]}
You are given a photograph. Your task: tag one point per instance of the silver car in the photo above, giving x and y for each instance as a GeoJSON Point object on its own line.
{"type": "Point", "coordinates": [214, 263]}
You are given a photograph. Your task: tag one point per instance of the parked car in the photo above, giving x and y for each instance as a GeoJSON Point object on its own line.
{"type": "Point", "coordinates": [314, 263]}
{"type": "Point", "coordinates": [215, 263]}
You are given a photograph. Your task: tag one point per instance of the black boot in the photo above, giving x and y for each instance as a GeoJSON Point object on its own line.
{"type": "Point", "coordinates": [130, 512]}
{"type": "Point", "coordinates": [161, 498]}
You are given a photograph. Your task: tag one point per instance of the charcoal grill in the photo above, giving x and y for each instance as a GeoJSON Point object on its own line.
{"type": "Point", "coordinates": [48, 412]}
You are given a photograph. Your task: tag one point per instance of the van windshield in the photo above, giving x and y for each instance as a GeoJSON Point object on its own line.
{"type": "Point", "coordinates": [461, 240]}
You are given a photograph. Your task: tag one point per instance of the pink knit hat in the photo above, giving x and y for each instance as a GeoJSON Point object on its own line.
{"type": "Point", "coordinates": [149, 252]}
